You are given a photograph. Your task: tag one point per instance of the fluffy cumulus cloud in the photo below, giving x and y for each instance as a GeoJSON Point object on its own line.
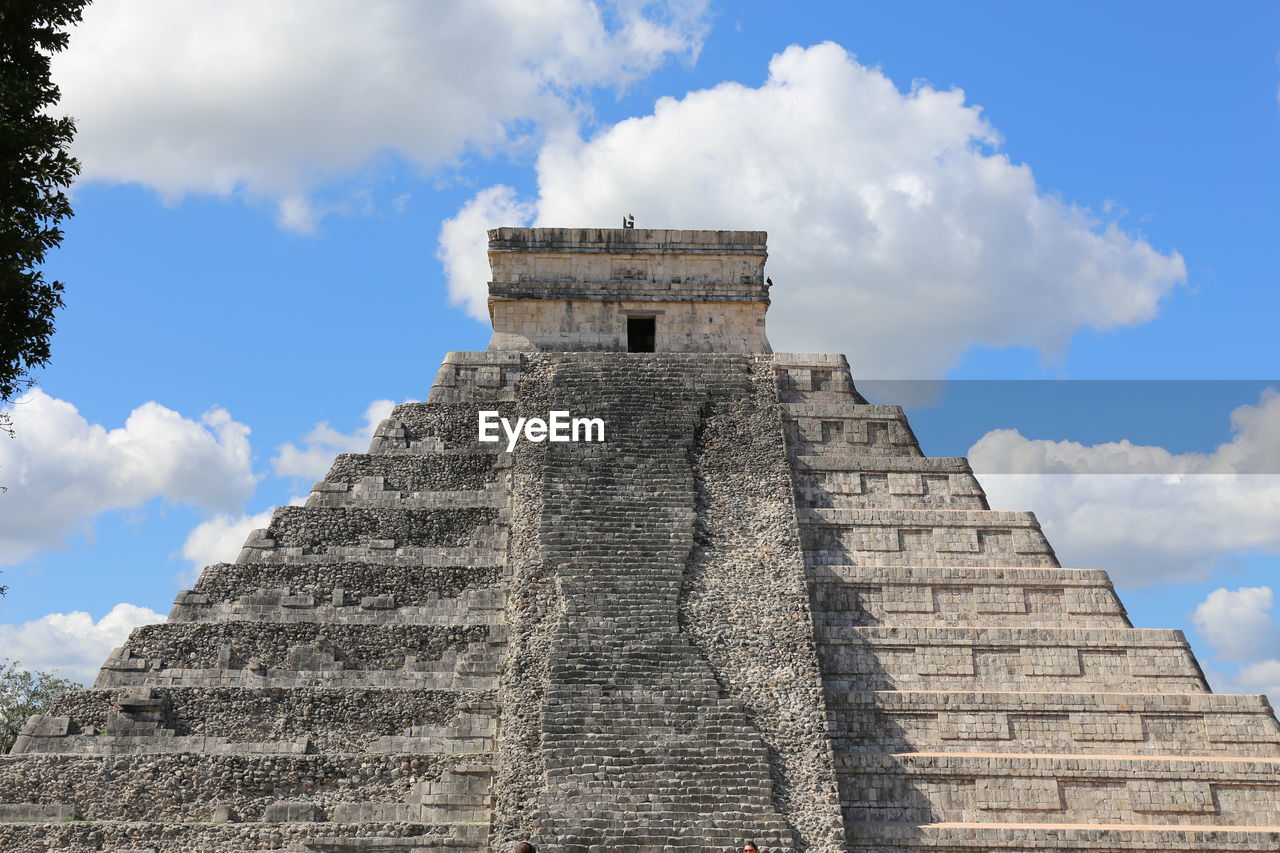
{"type": "Point", "coordinates": [73, 645]}
{"type": "Point", "coordinates": [1238, 623]}
{"type": "Point", "coordinates": [464, 244]}
{"type": "Point", "coordinates": [219, 539]}
{"type": "Point", "coordinates": [1260, 677]}
{"type": "Point", "coordinates": [1141, 512]}
{"type": "Point", "coordinates": [274, 97]}
{"type": "Point", "coordinates": [1241, 627]}
{"type": "Point", "coordinates": [62, 471]}
{"type": "Point", "coordinates": [897, 231]}
{"type": "Point", "coordinates": [311, 461]}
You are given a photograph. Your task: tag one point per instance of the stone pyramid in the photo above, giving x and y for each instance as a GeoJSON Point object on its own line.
{"type": "Point", "coordinates": [754, 611]}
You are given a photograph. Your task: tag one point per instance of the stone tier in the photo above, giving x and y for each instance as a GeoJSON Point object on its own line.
{"type": "Point", "coordinates": [853, 481]}
{"type": "Point", "coordinates": [189, 787]}
{"type": "Point", "coordinates": [924, 788]}
{"type": "Point", "coordinates": [371, 495]}
{"type": "Point", "coordinates": [297, 834]}
{"type": "Point", "coordinates": [1186, 724]}
{"type": "Point", "coordinates": [483, 606]}
{"type": "Point", "coordinates": [313, 530]}
{"type": "Point", "coordinates": [427, 428]}
{"type": "Point", "coordinates": [1031, 659]}
{"type": "Point", "coordinates": [841, 427]}
{"type": "Point", "coordinates": [474, 377]}
{"type": "Point", "coordinates": [1040, 838]}
{"type": "Point", "coordinates": [958, 596]}
{"type": "Point", "coordinates": [814, 378]}
{"type": "Point", "coordinates": [367, 586]}
{"type": "Point", "coordinates": [462, 793]}
{"type": "Point", "coordinates": [476, 667]}
{"type": "Point", "coordinates": [489, 552]}
{"type": "Point", "coordinates": [329, 719]}
{"type": "Point", "coordinates": [300, 654]}
{"type": "Point", "coordinates": [470, 734]}
{"type": "Point", "coordinates": [924, 537]}
{"type": "Point", "coordinates": [444, 470]}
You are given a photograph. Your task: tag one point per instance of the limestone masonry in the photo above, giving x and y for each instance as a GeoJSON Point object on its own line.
{"type": "Point", "coordinates": [755, 611]}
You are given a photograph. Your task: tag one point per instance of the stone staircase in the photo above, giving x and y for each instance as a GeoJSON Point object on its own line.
{"type": "Point", "coordinates": [642, 746]}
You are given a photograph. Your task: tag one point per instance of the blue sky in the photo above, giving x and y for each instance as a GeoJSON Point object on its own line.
{"type": "Point", "coordinates": [280, 221]}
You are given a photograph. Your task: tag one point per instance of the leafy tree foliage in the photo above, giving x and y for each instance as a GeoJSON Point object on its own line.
{"type": "Point", "coordinates": [22, 694]}
{"type": "Point", "coordinates": [34, 168]}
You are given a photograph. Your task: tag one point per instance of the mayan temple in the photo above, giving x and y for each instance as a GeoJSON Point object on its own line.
{"type": "Point", "coordinates": [754, 611]}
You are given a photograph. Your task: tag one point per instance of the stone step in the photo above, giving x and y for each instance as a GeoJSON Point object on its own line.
{"type": "Point", "coordinates": [1022, 837]}
{"type": "Point", "coordinates": [342, 584]}
{"type": "Point", "coordinates": [489, 553]}
{"type": "Point", "coordinates": [432, 745]}
{"type": "Point", "coordinates": [842, 427]}
{"type": "Point", "coordinates": [163, 741]}
{"type": "Point", "coordinates": [154, 837]}
{"type": "Point", "coordinates": [958, 595]}
{"type": "Point", "coordinates": [862, 463]}
{"type": "Point", "coordinates": [36, 812]}
{"type": "Point", "coordinates": [923, 537]}
{"type": "Point", "coordinates": [441, 680]}
{"type": "Point", "coordinates": [469, 607]}
{"type": "Point", "coordinates": [337, 496]}
{"type": "Point", "coordinates": [1019, 659]}
{"type": "Point", "coordinates": [203, 654]}
{"type": "Point", "coordinates": [192, 787]}
{"type": "Point", "coordinates": [473, 376]}
{"type": "Point", "coordinates": [1068, 789]}
{"type": "Point", "coordinates": [887, 488]}
{"type": "Point", "coordinates": [460, 794]}
{"type": "Point", "coordinates": [815, 377]}
{"type": "Point", "coordinates": [320, 529]}
{"type": "Point", "coordinates": [1188, 724]}
{"type": "Point", "coordinates": [428, 428]}
{"type": "Point", "coordinates": [333, 718]}
{"type": "Point", "coordinates": [300, 646]}
{"type": "Point", "coordinates": [842, 408]}
{"type": "Point", "coordinates": [440, 471]}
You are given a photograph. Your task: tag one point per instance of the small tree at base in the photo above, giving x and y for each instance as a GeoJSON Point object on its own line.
{"type": "Point", "coordinates": [22, 694]}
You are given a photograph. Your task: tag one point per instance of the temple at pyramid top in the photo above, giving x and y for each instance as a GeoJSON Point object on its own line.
{"type": "Point", "coordinates": [628, 289]}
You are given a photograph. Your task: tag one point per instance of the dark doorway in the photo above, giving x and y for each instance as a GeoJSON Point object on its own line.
{"type": "Point", "coordinates": [641, 334]}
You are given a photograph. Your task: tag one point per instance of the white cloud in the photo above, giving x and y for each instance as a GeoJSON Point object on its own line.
{"type": "Point", "coordinates": [897, 233]}
{"type": "Point", "coordinates": [1240, 626]}
{"type": "Point", "coordinates": [1260, 677]}
{"type": "Point", "coordinates": [1158, 516]}
{"type": "Point", "coordinates": [62, 471]}
{"type": "Point", "coordinates": [219, 540]}
{"type": "Point", "coordinates": [1238, 623]}
{"type": "Point", "coordinates": [73, 644]}
{"type": "Point", "coordinates": [275, 97]}
{"type": "Point", "coordinates": [323, 443]}
{"type": "Point", "coordinates": [464, 245]}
